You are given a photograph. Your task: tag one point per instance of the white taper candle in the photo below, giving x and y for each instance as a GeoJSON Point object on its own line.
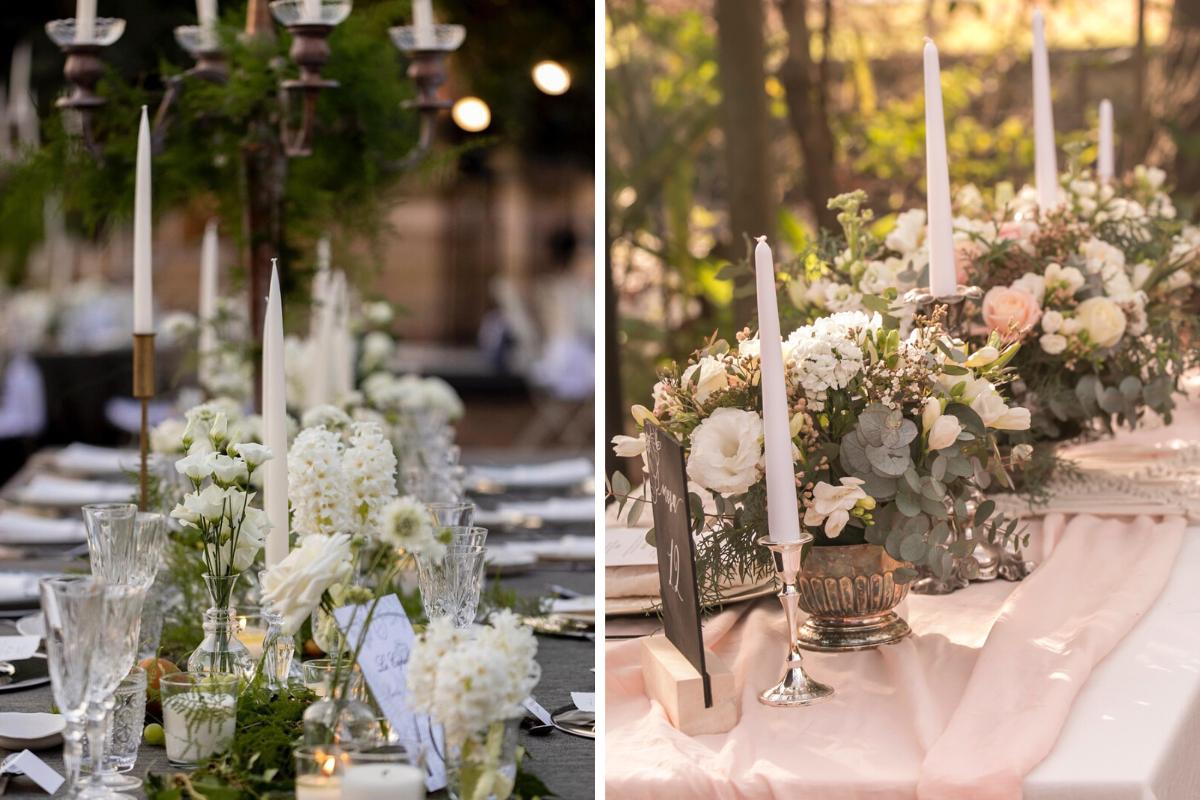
{"type": "Point", "coordinates": [1104, 159]}
{"type": "Point", "coordinates": [85, 20]}
{"type": "Point", "coordinates": [208, 300]}
{"type": "Point", "coordinates": [206, 13]}
{"type": "Point", "coordinates": [423, 23]}
{"type": "Point", "coordinates": [942, 281]}
{"type": "Point", "coordinates": [274, 413]}
{"type": "Point", "coordinates": [1044, 159]}
{"type": "Point", "coordinates": [143, 289]}
{"type": "Point", "coordinates": [783, 514]}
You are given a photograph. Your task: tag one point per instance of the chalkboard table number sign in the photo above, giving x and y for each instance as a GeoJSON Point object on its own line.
{"type": "Point", "coordinates": [690, 682]}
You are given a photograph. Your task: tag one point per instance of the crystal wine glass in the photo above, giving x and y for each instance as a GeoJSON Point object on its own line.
{"type": "Point", "coordinates": [450, 586]}
{"type": "Point", "coordinates": [125, 546]}
{"type": "Point", "coordinates": [73, 608]}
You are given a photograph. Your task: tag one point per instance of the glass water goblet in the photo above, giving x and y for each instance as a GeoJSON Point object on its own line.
{"type": "Point", "coordinates": [452, 514]}
{"type": "Point", "coordinates": [114, 654]}
{"type": "Point", "coordinates": [450, 586]}
{"type": "Point", "coordinates": [125, 545]}
{"type": "Point", "coordinates": [73, 608]}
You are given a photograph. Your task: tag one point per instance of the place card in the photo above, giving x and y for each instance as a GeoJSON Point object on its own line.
{"type": "Point", "coordinates": [18, 648]}
{"type": "Point", "coordinates": [627, 547]}
{"type": "Point", "coordinates": [27, 764]}
{"type": "Point", "coordinates": [384, 660]}
{"type": "Point", "coordinates": [538, 710]}
{"type": "Point", "coordinates": [666, 484]}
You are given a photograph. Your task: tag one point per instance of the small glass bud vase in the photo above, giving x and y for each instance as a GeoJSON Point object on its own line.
{"type": "Point", "coordinates": [341, 720]}
{"type": "Point", "coordinates": [485, 766]}
{"type": "Point", "coordinates": [278, 651]}
{"type": "Point", "coordinates": [220, 651]}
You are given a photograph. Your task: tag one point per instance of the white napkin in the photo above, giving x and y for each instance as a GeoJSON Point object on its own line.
{"type": "Point", "coordinates": [565, 472]}
{"type": "Point", "coordinates": [584, 701]}
{"type": "Point", "coordinates": [19, 528]}
{"type": "Point", "coordinates": [93, 460]}
{"type": "Point", "coordinates": [53, 490]}
{"type": "Point", "coordinates": [573, 605]}
{"type": "Point", "coordinates": [556, 510]}
{"type": "Point", "coordinates": [568, 548]}
{"type": "Point", "coordinates": [18, 587]}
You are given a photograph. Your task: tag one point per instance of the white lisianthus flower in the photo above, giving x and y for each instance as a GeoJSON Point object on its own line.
{"type": "Point", "coordinates": [167, 437]}
{"type": "Point", "coordinates": [254, 454]}
{"type": "Point", "coordinates": [197, 466]}
{"type": "Point", "coordinates": [227, 470]}
{"type": "Point", "coordinates": [208, 505]}
{"type": "Point", "coordinates": [727, 451]}
{"type": "Point", "coordinates": [1102, 319]}
{"type": "Point", "coordinates": [293, 588]}
{"type": "Point", "coordinates": [253, 533]}
{"type": "Point", "coordinates": [709, 376]}
{"type": "Point", "coordinates": [944, 432]}
{"type": "Point", "coordinates": [407, 525]}
{"type": "Point", "coordinates": [629, 446]}
{"type": "Point", "coordinates": [909, 232]}
{"type": "Point", "coordinates": [1053, 343]}
{"type": "Point", "coordinates": [1052, 321]}
{"type": "Point", "coordinates": [982, 357]}
{"type": "Point", "coordinates": [832, 505]}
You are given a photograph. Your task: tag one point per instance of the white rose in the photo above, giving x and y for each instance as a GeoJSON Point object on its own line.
{"type": "Point", "coordinates": [833, 504]}
{"type": "Point", "coordinates": [629, 446]}
{"type": "Point", "coordinates": [1052, 321]}
{"type": "Point", "coordinates": [944, 432]}
{"type": "Point", "coordinates": [712, 377]}
{"type": "Point", "coordinates": [1100, 256]}
{"type": "Point", "coordinates": [1070, 326]}
{"type": "Point", "coordinates": [1102, 319]}
{"type": "Point", "coordinates": [1034, 284]}
{"type": "Point", "coordinates": [727, 451]}
{"type": "Point", "coordinates": [1053, 343]}
{"type": "Point", "coordinates": [294, 587]}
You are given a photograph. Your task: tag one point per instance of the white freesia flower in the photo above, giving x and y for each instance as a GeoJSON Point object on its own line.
{"type": "Point", "coordinates": [709, 376]}
{"type": "Point", "coordinates": [727, 451]}
{"type": "Point", "coordinates": [629, 446]}
{"type": "Point", "coordinates": [997, 414]}
{"type": "Point", "coordinates": [468, 678]}
{"type": "Point", "coordinates": [944, 432]}
{"type": "Point", "coordinates": [407, 526]}
{"type": "Point", "coordinates": [832, 505]}
{"type": "Point", "coordinates": [1102, 319]}
{"type": "Point", "coordinates": [982, 357]}
{"type": "Point", "coordinates": [1053, 343]}
{"type": "Point", "coordinates": [293, 588]}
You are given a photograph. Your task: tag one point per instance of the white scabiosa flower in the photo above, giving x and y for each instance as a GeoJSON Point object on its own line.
{"type": "Point", "coordinates": [407, 525]}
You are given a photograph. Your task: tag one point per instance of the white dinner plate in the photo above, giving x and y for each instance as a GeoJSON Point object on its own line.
{"type": "Point", "coordinates": [639, 606]}
{"type": "Point", "coordinates": [34, 731]}
{"type": "Point", "coordinates": [33, 625]}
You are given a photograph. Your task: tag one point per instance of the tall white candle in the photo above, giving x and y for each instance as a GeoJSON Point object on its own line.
{"type": "Point", "coordinates": [343, 349]}
{"type": "Point", "coordinates": [274, 413]}
{"type": "Point", "coordinates": [423, 23]}
{"type": "Point", "coordinates": [143, 290]}
{"type": "Point", "coordinates": [208, 300]}
{"type": "Point", "coordinates": [311, 11]}
{"type": "Point", "coordinates": [206, 13]}
{"type": "Point", "coordinates": [383, 782]}
{"type": "Point", "coordinates": [85, 20]}
{"type": "Point", "coordinates": [1044, 159]}
{"type": "Point", "coordinates": [783, 514]}
{"type": "Point", "coordinates": [942, 280]}
{"type": "Point", "coordinates": [1104, 160]}
{"type": "Point", "coordinates": [21, 110]}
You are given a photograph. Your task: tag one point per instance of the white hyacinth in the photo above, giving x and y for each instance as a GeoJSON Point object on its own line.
{"type": "Point", "coordinates": [370, 468]}
{"type": "Point", "coordinates": [317, 485]}
{"type": "Point", "coordinates": [469, 678]}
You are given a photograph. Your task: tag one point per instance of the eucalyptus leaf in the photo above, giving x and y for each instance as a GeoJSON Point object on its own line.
{"type": "Point", "coordinates": [913, 548]}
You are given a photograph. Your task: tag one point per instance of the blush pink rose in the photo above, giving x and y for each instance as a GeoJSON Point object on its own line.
{"type": "Point", "coordinates": [1006, 309]}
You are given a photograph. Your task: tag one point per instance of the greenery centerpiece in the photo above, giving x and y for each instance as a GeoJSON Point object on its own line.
{"type": "Point", "coordinates": [894, 438]}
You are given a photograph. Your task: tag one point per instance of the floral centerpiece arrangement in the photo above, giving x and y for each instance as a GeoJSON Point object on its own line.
{"type": "Point", "coordinates": [231, 531]}
{"type": "Point", "coordinates": [1100, 291]}
{"type": "Point", "coordinates": [894, 438]}
{"type": "Point", "coordinates": [473, 682]}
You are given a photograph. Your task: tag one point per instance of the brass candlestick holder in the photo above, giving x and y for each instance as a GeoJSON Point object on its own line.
{"type": "Point", "coordinates": [143, 390]}
{"type": "Point", "coordinates": [795, 688]}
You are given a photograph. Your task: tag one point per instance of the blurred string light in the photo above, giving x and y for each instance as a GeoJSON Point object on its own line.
{"type": "Point", "coordinates": [471, 114]}
{"type": "Point", "coordinates": [551, 77]}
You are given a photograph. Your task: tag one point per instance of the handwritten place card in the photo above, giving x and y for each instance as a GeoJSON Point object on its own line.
{"type": "Point", "coordinates": [18, 648]}
{"type": "Point", "coordinates": [384, 662]}
{"type": "Point", "coordinates": [27, 764]}
{"type": "Point", "coordinates": [627, 547]}
{"type": "Point", "coordinates": [666, 485]}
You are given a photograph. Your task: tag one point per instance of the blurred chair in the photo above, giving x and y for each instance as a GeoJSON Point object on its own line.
{"type": "Point", "coordinates": [22, 413]}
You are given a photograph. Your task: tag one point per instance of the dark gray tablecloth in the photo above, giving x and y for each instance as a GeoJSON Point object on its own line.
{"type": "Point", "coordinates": [565, 763]}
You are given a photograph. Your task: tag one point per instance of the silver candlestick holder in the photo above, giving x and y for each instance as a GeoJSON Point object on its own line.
{"type": "Point", "coordinates": [795, 688]}
{"type": "Point", "coordinates": [955, 304]}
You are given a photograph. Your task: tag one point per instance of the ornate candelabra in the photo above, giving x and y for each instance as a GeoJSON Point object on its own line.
{"type": "Point", "coordinates": [795, 688]}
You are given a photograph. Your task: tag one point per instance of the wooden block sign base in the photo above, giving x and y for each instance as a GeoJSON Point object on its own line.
{"type": "Point", "coordinates": [678, 686]}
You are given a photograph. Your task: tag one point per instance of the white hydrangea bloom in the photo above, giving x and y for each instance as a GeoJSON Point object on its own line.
{"type": "Point", "coordinates": [827, 354]}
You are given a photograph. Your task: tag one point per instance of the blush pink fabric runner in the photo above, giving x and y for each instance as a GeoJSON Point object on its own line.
{"type": "Point", "coordinates": [964, 708]}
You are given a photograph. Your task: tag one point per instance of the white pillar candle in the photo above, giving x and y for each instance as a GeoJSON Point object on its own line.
{"type": "Point", "coordinates": [1044, 158]}
{"type": "Point", "coordinates": [423, 23]}
{"type": "Point", "coordinates": [208, 300]}
{"type": "Point", "coordinates": [206, 13]}
{"type": "Point", "coordinates": [783, 514]}
{"type": "Point", "coordinates": [311, 11]}
{"type": "Point", "coordinates": [1104, 159]}
{"type": "Point", "coordinates": [942, 280]}
{"type": "Point", "coordinates": [318, 787]}
{"type": "Point", "coordinates": [85, 20]}
{"type": "Point", "coordinates": [274, 413]}
{"type": "Point", "coordinates": [383, 782]}
{"type": "Point", "coordinates": [143, 289]}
